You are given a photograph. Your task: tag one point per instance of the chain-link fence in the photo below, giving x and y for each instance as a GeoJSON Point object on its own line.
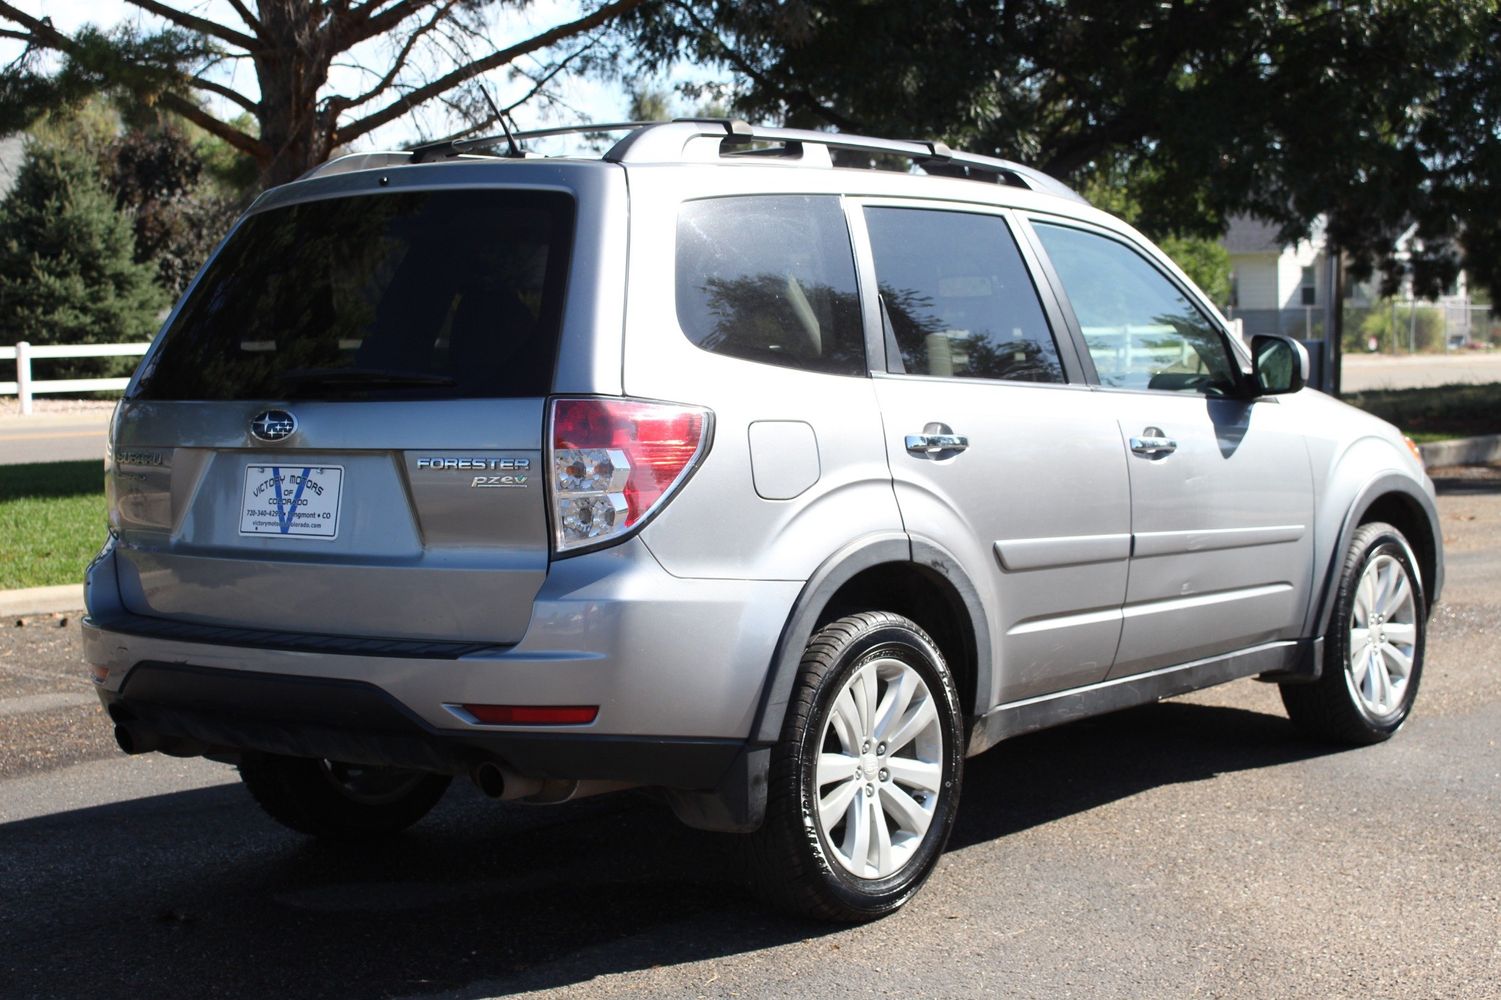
{"type": "Point", "coordinates": [1388, 327]}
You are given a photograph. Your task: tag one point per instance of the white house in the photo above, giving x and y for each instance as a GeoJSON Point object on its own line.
{"type": "Point", "coordinates": [1283, 288]}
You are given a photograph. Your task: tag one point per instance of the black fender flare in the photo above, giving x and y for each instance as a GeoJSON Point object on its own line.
{"type": "Point", "coordinates": [1377, 487]}
{"type": "Point", "coordinates": [833, 573]}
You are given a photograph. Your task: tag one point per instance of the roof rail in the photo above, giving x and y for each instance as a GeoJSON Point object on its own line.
{"type": "Point", "coordinates": [670, 142]}
{"type": "Point", "coordinates": [446, 148]}
{"type": "Point", "coordinates": [357, 161]}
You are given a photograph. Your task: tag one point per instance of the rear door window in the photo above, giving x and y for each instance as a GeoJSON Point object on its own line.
{"type": "Point", "coordinates": [770, 278]}
{"type": "Point", "coordinates": [956, 298]}
{"type": "Point", "coordinates": [454, 293]}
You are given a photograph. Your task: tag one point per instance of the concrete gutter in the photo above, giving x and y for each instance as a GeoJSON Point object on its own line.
{"type": "Point", "coordinates": [41, 600]}
{"type": "Point", "coordinates": [1462, 451]}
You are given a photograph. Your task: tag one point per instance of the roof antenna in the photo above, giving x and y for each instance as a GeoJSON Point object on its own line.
{"type": "Point", "coordinates": [516, 151]}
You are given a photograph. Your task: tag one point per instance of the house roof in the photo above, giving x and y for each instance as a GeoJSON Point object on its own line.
{"type": "Point", "coordinates": [1248, 235]}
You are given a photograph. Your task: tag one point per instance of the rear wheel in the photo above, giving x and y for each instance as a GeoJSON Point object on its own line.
{"type": "Point", "coordinates": [337, 801]}
{"type": "Point", "coordinates": [1373, 652]}
{"type": "Point", "coordinates": [864, 784]}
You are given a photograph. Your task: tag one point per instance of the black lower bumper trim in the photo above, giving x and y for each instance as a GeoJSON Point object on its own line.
{"type": "Point", "coordinates": [229, 711]}
{"type": "Point", "coordinates": [301, 642]}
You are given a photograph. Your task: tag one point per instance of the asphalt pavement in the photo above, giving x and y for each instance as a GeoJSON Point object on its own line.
{"type": "Point", "coordinates": [1196, 847]}
{"type": "Point", "coordinates": [53, 435]}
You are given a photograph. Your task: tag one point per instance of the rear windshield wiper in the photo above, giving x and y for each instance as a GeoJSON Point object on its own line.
{"type": "Point", "coordinates": [376, 377]}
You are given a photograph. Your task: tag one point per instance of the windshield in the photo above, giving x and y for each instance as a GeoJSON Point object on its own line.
{"type": "Point", "coordinates": [454, 293]}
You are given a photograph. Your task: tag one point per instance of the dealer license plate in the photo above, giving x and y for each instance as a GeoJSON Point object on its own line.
{"type": "Point", "coordinates": [293, 500]}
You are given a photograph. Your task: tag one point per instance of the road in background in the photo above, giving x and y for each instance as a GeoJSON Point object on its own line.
{"type": "Point", "coordinates": [53, 436]}
{"type": "Point", "coordinates": [1361, 372]}
{"type": "Point", "coordinates": [1196, 847]}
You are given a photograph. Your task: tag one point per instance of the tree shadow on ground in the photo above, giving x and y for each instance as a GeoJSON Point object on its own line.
{"type": "Point", "coordinates": [47, 480]}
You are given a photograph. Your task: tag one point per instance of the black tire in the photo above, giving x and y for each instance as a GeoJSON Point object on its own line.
{"type": "Point", "coordinates": [1338, 707]}
{"type": "Point", "coordinates": [795, 862]}
{"type": "Point", "coordinates": [334, 801]}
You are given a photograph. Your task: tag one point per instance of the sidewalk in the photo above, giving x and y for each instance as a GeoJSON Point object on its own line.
{"type": "Point", "coordinates": [41, 600]}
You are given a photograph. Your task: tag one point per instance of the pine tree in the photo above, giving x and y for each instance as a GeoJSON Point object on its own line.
{"type": "Point", "coordinates": [67, 268]}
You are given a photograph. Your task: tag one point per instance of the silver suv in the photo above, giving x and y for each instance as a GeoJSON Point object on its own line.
{"type": "Point", "coordinates": [719, 466]}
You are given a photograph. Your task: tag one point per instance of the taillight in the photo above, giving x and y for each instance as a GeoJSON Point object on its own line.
{"type": "Point", "coordinates": [615, 461]}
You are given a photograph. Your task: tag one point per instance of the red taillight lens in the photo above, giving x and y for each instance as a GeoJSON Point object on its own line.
{"type": "Point", "coordinates": [615, 460]}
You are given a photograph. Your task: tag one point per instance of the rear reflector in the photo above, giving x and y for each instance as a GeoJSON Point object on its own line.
{"type": "Point", "coordinates": [533, 715]}
{"type": "Point", "coordinates": [615, 461]}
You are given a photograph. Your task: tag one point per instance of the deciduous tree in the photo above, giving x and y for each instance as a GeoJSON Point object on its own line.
{"type": "Point", "coordinates": [1380, 116]}
{"type": "Point", "coordinates": [434, 49]}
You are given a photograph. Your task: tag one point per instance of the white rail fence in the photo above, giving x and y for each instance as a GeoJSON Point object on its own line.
{"type": "Point", "coordinates": [25, 387]}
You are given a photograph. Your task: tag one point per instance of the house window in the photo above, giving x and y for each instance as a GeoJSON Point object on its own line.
{"type": "Point", "coordinates": [1308, 289]}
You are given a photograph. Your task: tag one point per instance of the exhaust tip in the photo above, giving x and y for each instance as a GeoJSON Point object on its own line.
{"type": "Point", "coordinates": [135, 741]}
{"type": "Point", "coordinates": [490, 780]}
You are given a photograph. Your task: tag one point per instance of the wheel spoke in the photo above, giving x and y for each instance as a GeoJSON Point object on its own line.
{"type": "Point", "coordinates": [857, 834]}
{"type": "Point", "coordinates": [1380, 683]}
{"type": "Point", "coordinates": [1385, 583]}
{"type": "Point", "coordinates": [846, 722]}
{"type": "Point", "coordinates": [882, 834]}
{"type": "Point", "coordinates": [832, 767]}
{"type": "Point", "coordinates": [915, 773]}
{"type": "Point", "coordinates": [1401, 593]}
{"type": "Point", "coordinates": [1365, 596]}
{"type": "Point", "coordinates": [1399, 662]}
{"type": "Point", "coordinates": [1360, 667]}
{"type": "Point", "coordinates": [918, 718]}
{"type": "Point", "coordinates": [898, 696]}
{"type": "Point", "coordinates": [832, 807]}
{"type": "Point", "coordinates": [863, 689]}
{"type": "Point", "coordinates": [1359, 637]}
{"type": "Point", "coordinates": [910, 817]}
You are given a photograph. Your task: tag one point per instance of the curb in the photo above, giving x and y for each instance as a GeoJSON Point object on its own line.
{"type": "Point", "coordinates": [41, 600]}
{"type": "Point", "coordinates": [1462, 451]}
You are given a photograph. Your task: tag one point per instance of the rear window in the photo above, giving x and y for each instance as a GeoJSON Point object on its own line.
{"type": "Point", "coordinates": [430, 293]}
{"type": "Point", "coordinates": [770, 278]}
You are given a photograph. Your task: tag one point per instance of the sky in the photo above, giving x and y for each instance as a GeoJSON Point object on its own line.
{"type": "Point", "coordinates": [592, 100]}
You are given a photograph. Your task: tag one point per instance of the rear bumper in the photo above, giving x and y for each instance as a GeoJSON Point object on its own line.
{"type": "Point", "coordinates": [676, 668]}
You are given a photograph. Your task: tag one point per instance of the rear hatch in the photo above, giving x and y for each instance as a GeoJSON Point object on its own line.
{"type": "Point", "coordinates": [340, 431]}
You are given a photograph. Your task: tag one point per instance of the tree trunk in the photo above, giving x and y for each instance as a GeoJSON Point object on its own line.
{"type": "Point", "coordinates": [291, 67]}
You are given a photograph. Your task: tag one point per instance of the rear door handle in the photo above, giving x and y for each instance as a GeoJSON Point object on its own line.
{"type": "Point", "coordinates": [933, 444]}
{"type": "Point", "coordinates": [1153, 443]}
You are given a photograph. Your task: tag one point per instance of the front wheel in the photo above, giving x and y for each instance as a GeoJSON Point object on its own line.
{"type": "Point", "coordinates": [1373, 652]}
{"type": "Point", "coordinates": [864, 783]}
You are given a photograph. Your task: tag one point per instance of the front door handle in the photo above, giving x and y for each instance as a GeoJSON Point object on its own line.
{"type": "Point", "coordinates": [933, 444]}
{"type": "Point", "coordinates": [1153, 443]}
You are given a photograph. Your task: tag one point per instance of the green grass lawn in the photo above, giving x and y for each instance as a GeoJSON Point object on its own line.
{"type": "Point", "coordinates": [51, 521]}
{"type": "Point", "coordinates": [1447, 411]}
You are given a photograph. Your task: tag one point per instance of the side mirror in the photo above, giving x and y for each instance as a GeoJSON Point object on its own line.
{"type": "Point", "coordinates": [1281, 364]}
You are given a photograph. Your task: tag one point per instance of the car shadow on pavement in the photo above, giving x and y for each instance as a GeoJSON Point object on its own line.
{"type": "Point", "coordinates": [197, 894]}
{"type": "Point", "coordinates": [1047, 776]}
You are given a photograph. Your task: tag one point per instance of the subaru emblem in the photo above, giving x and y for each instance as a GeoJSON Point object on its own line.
{"type": "Point", "coordinates": [273, 425]}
